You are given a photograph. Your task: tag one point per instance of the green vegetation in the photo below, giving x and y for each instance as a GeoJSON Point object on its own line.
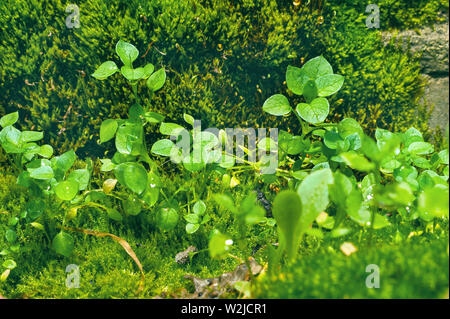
{"type": "Point", "coordinates": [395, 14]}
{"type": "Point", "coordinates": [223, 59]}
{"type": "Point", "coordinates": [409, 268]}
{"type": "Point", "coordinates": [349, 178]}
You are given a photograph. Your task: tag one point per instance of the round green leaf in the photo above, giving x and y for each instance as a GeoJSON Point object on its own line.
{"type": "Point", "coordinates": [315, 112]}
{"type": "Point", "coordinates": [192, 218]}
{"type": "Point", "coordinates": [151, 195]}
{"type": "Point", "coordinates": [167, 218]}
{"type": "Point", "coordinates": [329, 84]}
{"type": "Point", "coordinates": [156, 80]}
{"type": "Point", "coordinates": [65, 161]}
{"type": "Point", "coordinates": [310, 91]}
{"type": "Point", "coordinates": [170, 128]}
{"type": "Point", "coordinates": [188, 119]}
{"type": "Point", "coordinates": [317, 67]}
{"type": "Point", "coordinates": [9, 119]}
{"type": "Point", "coordinates": [9, 264]}
{"type": "Point", "coordinates": [114, 214]}
{"type": "Point", "coordinates": [43, 172]}
{"type": "Point", "coordinates": [219, 245]}
{"type": "Point", "coordinates": [132, 206]}
{"type": "Point", "coordinates": [67, 190]}
{"type": "Point", "coordinates": [10, 236]}
{"type": "Point", "coordinates": [162, 147]}
{"type": "Point", "coordinates": [108, 130]}
{"type": "Point", "coordinates": [192, 228]}
{"type": "Point", "coordinates": [420, 148]}
{"type": "Point", "coordinates": [81, 176]}
{"type": "Point", "coordinates": [349, 126]}
{"type": "Point", "coordinates": [148, 70]}
{"type": "Point", "coordinates": [63, 244]}
{"type": "Point", "coordinates": [277, 105]}
{"type": "Point", "coordinates": [295, 79]}
{"type": "Point", "coordinates": [31, 136]}
{"type": "Point", "coordinates": [132, 74]}
{"type": "Point", "coordinates": [331, 139]}
{"type": "Point", "coordinates": [199, 207]}
{"type": "Point", "coordinates": [153, 117]}
{"type": "Point", "coordinates": [135, 177]}
{"type": "Point", "coordinates": [313, 192]}
{"type": "Point", "coordinates": [105, 70]}
{"type": "Point", "coordinates": [128, 138]}
{"type": "Point", "coordinates": [357, 161]}
{"type": "Point", "coordinates": [10, 139]}
{"type": "Point", "coordinates": [127, 52]}
{"type": "Point", "coordinates": [435, 201]}
{"type": "Point", "coordinates": [46, 151]}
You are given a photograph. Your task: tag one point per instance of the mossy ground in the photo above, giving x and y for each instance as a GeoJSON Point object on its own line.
{"type": "Point", "coordinates": [410, 267]}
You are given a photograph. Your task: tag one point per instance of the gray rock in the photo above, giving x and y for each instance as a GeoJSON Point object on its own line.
{"type": "Point", "coordinates": [436, 94]}
{"type": "Point", "coordinates": [183, 257]}
{"type": "Point", "coordinates": [431, 42]}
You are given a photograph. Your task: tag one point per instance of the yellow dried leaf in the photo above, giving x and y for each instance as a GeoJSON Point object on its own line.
{"type": "Point", "coordinates": [109, 185]}
{"type": "Point", "coordinates": [122, 242]}
{"type": "Point", "coordinates": [348, 248]}
{"type": "Point", "coordinates": [322, 218]}
{"type": "Point", "coordinates": [5, 275]}
{"type": "Point", "coordinates": [234, 182]}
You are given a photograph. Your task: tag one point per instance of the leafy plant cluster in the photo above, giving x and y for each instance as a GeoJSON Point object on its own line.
{"type": "Point", "coordinates": [335, 178]}
{"type": "Point", "coordinates": [219, 62]}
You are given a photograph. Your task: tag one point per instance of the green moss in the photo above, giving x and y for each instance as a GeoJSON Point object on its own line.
{"type": "Point", "coordinates": [395, 14]}
{"type": "Point", "coordinates": [412, 268]}
{"type": "Point", "coordinates": [223, 58]}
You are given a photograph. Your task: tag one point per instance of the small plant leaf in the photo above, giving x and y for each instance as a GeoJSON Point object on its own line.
{"type": "Point", "coordinates": [199, 207]}
{"type": "Point", "coordinates": [219, 245]}
{"type": "Point", "coordinates": [132, 74]}
{"type": "Point", "coordinates": [67, 190]}
{"type": "Point", "coordinates": [63, 244]}
{"type": "Point", "coordinates": [317, 67]}
{"type": "Point", "coordinates": [9, 119]}
{"type": "Point", "coordinates": [46, 151]}
{"type": "Point", "coordinates": [313, 192]}
{"type": "Point", "coordinates": [295, 79]}
{"type": "Point", "coordinates": [329, 84]}
{"type": "Point", "coordinates": [156, 80]}
{"type": "Point", "coordinates": [277, 105]}
{"type": "Point", "coordinates": [162, 147]}
{"type": "Point", "coordinates": [127, 53]}
{"type": "Point", "coordinates": [108, 130]}
{"type": "Point", "coordinates": [192, 228]}
{"type": "Point", "coordinates": [287, 210]}
{"type": "Point", "coordinates": [148, 70]}
{"type": "Point", "coordinates": [167, 218]}
{"type": "Point", "coordinates": [315, 112]}
{"type": "Point", "coordinates": [105, 70]}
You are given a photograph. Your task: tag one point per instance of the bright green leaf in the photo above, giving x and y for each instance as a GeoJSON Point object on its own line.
{"type": "Point", "coordinates": [277, 105]}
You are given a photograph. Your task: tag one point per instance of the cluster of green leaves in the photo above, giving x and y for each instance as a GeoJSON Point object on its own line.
{"type": "Point", "coordinates": [52, 188]}
{"type": "Point", "coordinates": [133, 168]}
{"type": "Point", "coordinates": [340, 172]}
{"type": "Point", "coordinates": [128, 134]}
{"type": "Point", "coordinates": [219, 62]}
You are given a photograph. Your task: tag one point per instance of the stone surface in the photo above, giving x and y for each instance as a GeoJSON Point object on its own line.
{"type": "Point", "coordinates": [432, 44]}
{"type": "Point", "coordinates": [436, 94]}
{"type": "Point", "coordinates": [183, 257]}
